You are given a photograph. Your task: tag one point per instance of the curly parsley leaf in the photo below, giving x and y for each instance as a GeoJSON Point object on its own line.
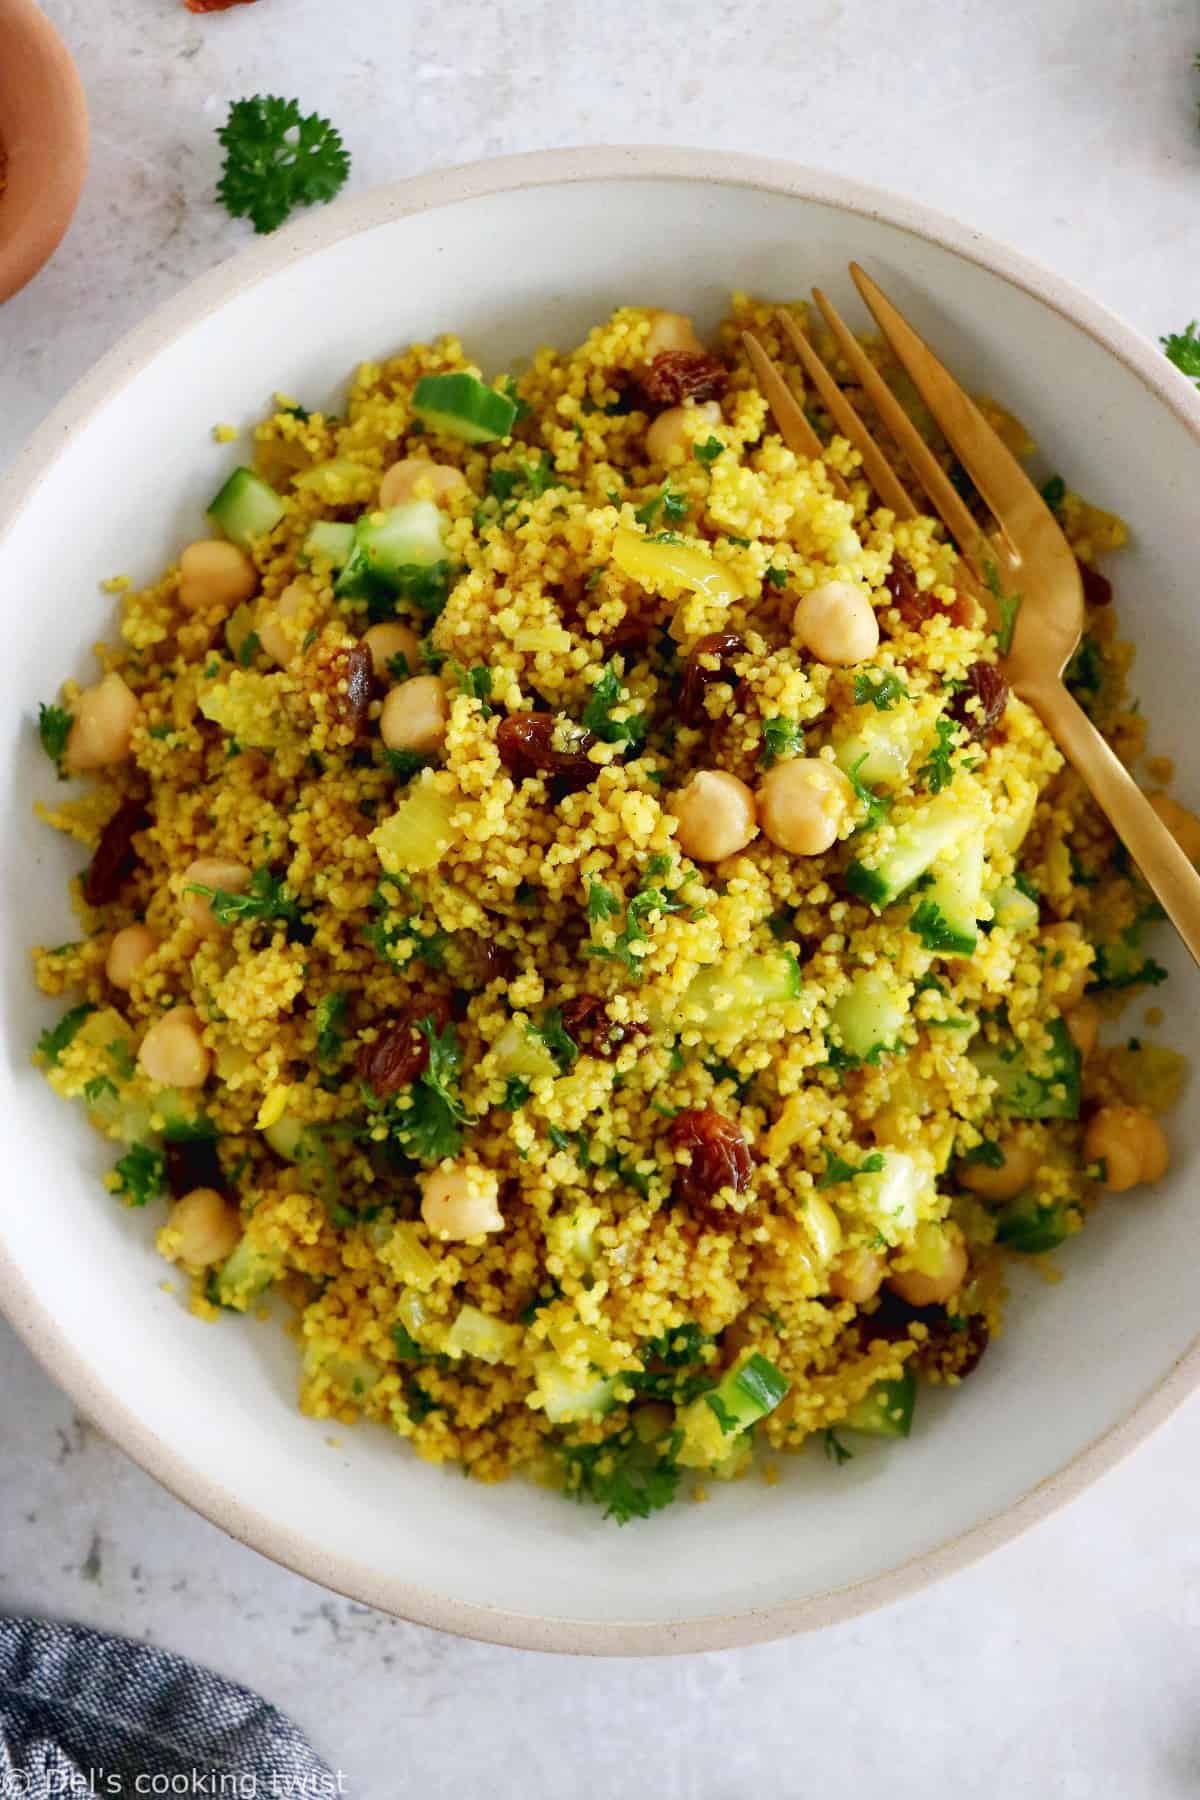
{"type": "Point", "coordinates": [277, 158]}
{"type": "Point", "coordinates": [602, 903]}
{"type": "Point", "coordinates": [561, 1045]}
{"type": "Point", "coordinates": [1183, 347]}
{"type": "Point", "coordinates": [882, 694]}
{"type": "Point", "coordinates": [673, 1368]}
{"type": "Point", "coordinates": [937, 771]}
{"type": "Point", "coordinates": [648, 901]}
{"type": "Point", "coordinates": [672, 506]}
{"type": "Point", "coordinates": [54, 728]}
{"type": "Point", "coordinates": [934, 928]}
{"type": "Point", "coordinates": [141, 1174]}
{"type": "Point", "coordinates": [628, 1479]}
{"type": "Point", "coordinates": [597, 714]}
{"type": "Point", "coordinates": [1007, 606]}
{"type": "Point", "coordinates": [781, 738]}
{"type": "Point", "coordinates": [877, 806]}
{"type": "Point", "coordinates": [835, 1450]}
{"type": "Point", "coordinates": [52, 1043]}
{"type": "Point", "coordinates": [331, 1027]}
{"type": "Point", "coordinates": [708, 452]}
{"type": "Point", "coordinates": [266, 897]}
{"type": "Point", "coordinates": [430, 1127]}
{"type": "Point", "coordinates": [1054, 493]}
{"type": "Point", "coordinates": [985, 1154]}
{"type": "Point", "coordinates": [838, 1169]}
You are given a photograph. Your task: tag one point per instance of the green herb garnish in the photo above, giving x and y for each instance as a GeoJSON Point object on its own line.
{"type": "Point", "coordinates": [277, 158]}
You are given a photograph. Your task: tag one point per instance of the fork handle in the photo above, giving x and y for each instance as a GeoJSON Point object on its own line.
{"type": "Point", "coordinates": [1174, 881]}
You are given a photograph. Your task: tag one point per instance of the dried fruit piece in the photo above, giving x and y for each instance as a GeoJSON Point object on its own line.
{"type": "Point", "coordinates": [352, 702]}
{"type": "Point", "coordinates": [115, 858]}
{"type": "Point", "coordinates": [697, 678]}
{"type": "Point", "coordinates": [1097, 588]}
{"type": "Point", "coordinates": [193, 1164]}
{"type": "Point", "coordinates": [720, 1156]}
{"type": "Point", "coordinates": [916, 605]}
{"type": "Point", "coordinates": [586, 1022]}
{"type": "Point", "coordinates": [401, 1050]}
{"type": "Point", "coordinates": [985, 683]}
{"type": "Point", "coordinates": [527, 746]}
{"type": "Point", "coordinates": [678, 375]}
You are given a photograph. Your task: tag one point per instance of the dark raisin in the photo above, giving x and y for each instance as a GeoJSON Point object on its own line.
{"type": "Point", "coordinates": [1097, 588]}
{"type": "Point", "coordinates": [526, 743]}
{"type": "Point", "coordinates": [352, 694]}
{"type": "Point", "coordinates": [115, 858]}
{"type": "Point", "coordinates": [586, 1022]}
{"type": "Point", "coordinates": [401, 1051]}
{"type": "Point", "coordinates": [633, 633]}
{"type": "Point", "coordinates": [193, 1164]}
{"type": "Point", "coordinates": [697, 679]}
{"type": "Point", "coordinates": [720, 1156]}
{"type": "Point", "coordinates": [678, 375]}
{"type": "Point", "coordinates": [915, 605]}
{"type": "Point", "coordinates": [950, 1345]}
{"type": "Point", "coordinates": [986, 684]}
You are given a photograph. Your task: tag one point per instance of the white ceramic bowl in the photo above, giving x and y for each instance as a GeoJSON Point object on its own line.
{"type": "Point", "coordinates": [511, 255]}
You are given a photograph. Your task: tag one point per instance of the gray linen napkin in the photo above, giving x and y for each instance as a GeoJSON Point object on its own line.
{"type": "Point", "coordinates": [86, 1714]}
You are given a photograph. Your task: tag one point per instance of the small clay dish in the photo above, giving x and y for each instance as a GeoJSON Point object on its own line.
{"type": "Point", "coordinates": [43, 141]}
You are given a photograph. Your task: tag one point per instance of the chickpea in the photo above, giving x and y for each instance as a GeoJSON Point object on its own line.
{"type": "Point", "coordinates": [1060, 942]}
{"type": "Point", "coordinates": [671, 331]}
{"type": "Point", "coordinates": [384, 643]}
{"type": "Point", "coordinates": [128, 951]}
{"type": "Point", "coordinates": [1014, 1175]}
{"type": "Point", "coordinates": [210, 872]}
{"type": "Point", "coordinates": [415, 715]}
{"type": "Point", "coordinates": [173, 1051]}
{"type": "Point", "coordinates": [276, 635]}
{"type": "Point", "coordinates": [205, 1228]}
{"type": "Point", "coordinates": [417, 478]}
{"type": "Point", "coordinates": [215, 573]}
{"type": "Point", "coordinates": [803, 804]}
{"type": "Point", "coordinates": [857, 1276]}
{"type": "Point", "coordinates": [102, 729]}
{"type": "Point", "coordinates": [1183, 825]}
{"type": "Point", "coordinates": [716, 816]}
{"type": "Point", "coordinates": [670, 438]}
{"type": "Point", "coordinates": [940, 1270]}
{"type": "Point", "coordinates": [837, 623]}
{"type": "Point", "coordinates": [461, 1200]}
{"type": "Point", "coordinates": [1129, 1143]}
{"type": "Point", "coordinates": [1083, 1023]}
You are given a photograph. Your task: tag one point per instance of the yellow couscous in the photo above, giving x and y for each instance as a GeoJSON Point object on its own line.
{"type": "Point", "coordinates": [575, 910]}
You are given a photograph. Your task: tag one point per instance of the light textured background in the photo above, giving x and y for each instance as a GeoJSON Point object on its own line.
{"type": "Point", "coordinates": [1066, 1665]}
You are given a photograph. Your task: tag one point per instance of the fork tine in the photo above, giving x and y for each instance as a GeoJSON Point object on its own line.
{"type": "Point", "coordinates": [794, 428]}
{"type": "Point", "coordinates": [966, 531]}
{"type": "Point", "coordinates": [877, 468]}
{"type": "Point", "coordinates": [992, 467]}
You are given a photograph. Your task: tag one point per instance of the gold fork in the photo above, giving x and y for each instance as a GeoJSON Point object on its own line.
{"type": "Point", "coordinates": [1045, 624]}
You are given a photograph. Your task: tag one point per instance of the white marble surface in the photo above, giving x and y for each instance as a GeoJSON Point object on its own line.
{"type": "Point", "coordinates": [1067, 1665]}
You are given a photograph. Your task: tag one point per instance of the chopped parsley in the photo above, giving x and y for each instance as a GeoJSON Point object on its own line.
{"type": "Point", "coordinates": [516, 1092]}
{"type": "Point", "coordinates": [404, 764]}
{"type": "Point", "coordinates": [778, 578]}
{"type": "Point", "coordinates": [277, 158]}
{"type": "Point", "coordinates": [397, 666]}
{"type": "Point", "coordinates": [781, 738]}
{"type": "Point", "coordinates": [835, 1450]}
{"type": "Point", "coordinates": [549, 1031]}
{"type": "Point", "coordinates": [623, 1476]}
{"type": "Point", "coordinates": [430, 1127]}
{"type": "Point", "coordinates": [52, 1043]}
{"type": "Point", "coordinates": [1183, 347]}
{"type": "Point", "coordinates": [1054, 493]}
{"type": "Point", "coordinates": [141, 1174]}
{"type": "Point", "coordinates": [673, 1368]}
{"type": "Point", "coordinates": [267, 897]}
{"type": "Point", "coordinates": [933, 928]}
{"type": "Point", "coordinates": [648, 900]}
{"type": "Point", "coordinates": [476, 683]}
{"type": "Point", "coordinates": [331, 1026]}
{"type": "Point", "coordinates": [54, 728]}
{"type": "Point", "coordinates": [602, 903]}
{"type": "Point", "coordinates": [877, 806]}
{"type": "Point", "coordinates": [985, 1154]}
{"type": "Point", "coordinates": [250, 646]}
{"type": "Point", "coordinates": [708, 452]}
{"type": "Point", "coordinates": [882, 694]}
{"type": "Point", "coordinates": [838, 1169]}
{"type": "Point", "coordinates": [392, 930]}
{"type": "Point", "coordinates": [1084, 674]}
{"type": "Point", "coordinates": [937, 771]}
{"type": "Point", "coordinates": [1007, 605]}
{"type": "Point", "coordinates": [99, 1088]}
{"type": "Point", "coordinates": [672, 506]}
{"type": "Point", "coordinates": [597, 714]}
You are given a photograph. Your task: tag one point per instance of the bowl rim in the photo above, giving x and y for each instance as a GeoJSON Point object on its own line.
{"type": "Point", "coordinates": [36, 1326]}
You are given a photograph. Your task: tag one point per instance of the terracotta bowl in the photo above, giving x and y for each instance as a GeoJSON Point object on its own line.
{"type": "Point", "coordinates": [43, 141]}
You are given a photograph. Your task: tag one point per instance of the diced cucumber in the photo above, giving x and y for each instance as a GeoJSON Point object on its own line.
{"type": "Point", "coordinates": [945, 916]}
{"type": "Point", "coordinates": [480, 1334]}
{"type": "Point", "coordinates": [1012, 909]}
{"type": "Point", "coordinates": [739, 988]}
{"type": "Point", "coordinates": [882, 747]}
{"type": "Point", "coordinates": [887, 1411]}
{"type": "Point", "coordinates": [564, 1396]}
{"type": "Point", "coordinates": [244, 1276]}
{"type": "Point", "coordinates": [915, 845]}
{"type": "Point", "coordinates": [461, 406]}
{"type": "Point", "coordinates": [246, 508]}
{"type": "Point", "coordinates": [572, 1236]}
{"type": "Point", "coordinates": [742, 1397]}
{"type": "Point", "coordinates": [870, 1015]}
{"type": "Point", "coordinates": [290, 1139]}
{"type": "Point", "coordinates": [331, 542]}
{"type": "Point", "coordinates": [1046, 1088]}
{"type": "Point", "coordinates": [393, 551]}
{"type": "Point", "coordinates": [519, 1051]}
{"type": "Point", "coordinates": [1031, 1226]}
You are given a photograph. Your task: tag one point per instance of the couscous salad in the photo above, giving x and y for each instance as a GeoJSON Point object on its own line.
{"type": "Point", "coordinates": [574, 909]}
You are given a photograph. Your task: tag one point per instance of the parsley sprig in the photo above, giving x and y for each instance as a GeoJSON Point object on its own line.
{"type": "Point", "coordinates": [648, 901]}
{"type": "Point", "coordinates": [838, 1169]}
{"type": "Point", "coordinates": [53, 1042]}
{"type": "Point", "coordinates": [277, 158]}
{"type": "Point", "coordinates": [141, 1174]}
{"type": "Point", "coordinates": [597, 714]}
{"type": "Point", "coordinates": [1183, 347]}
{"type": "Point", "coordinates": [266, 897]}
{"type": "Point", "coordinates": [54, 728]}
{"type": "Point", "coordinates": [781, 738]}
{"type": "Point", "coordinates": [882, 694]}
{"type": "Point", "coordinates": [937, 771]}
{"type": "Point", "coordinates": [877, 806]}
{"type": "Point", "coordinates": [628, 1479]}
{"type": "Point", "coordinates": [431, 1126]}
